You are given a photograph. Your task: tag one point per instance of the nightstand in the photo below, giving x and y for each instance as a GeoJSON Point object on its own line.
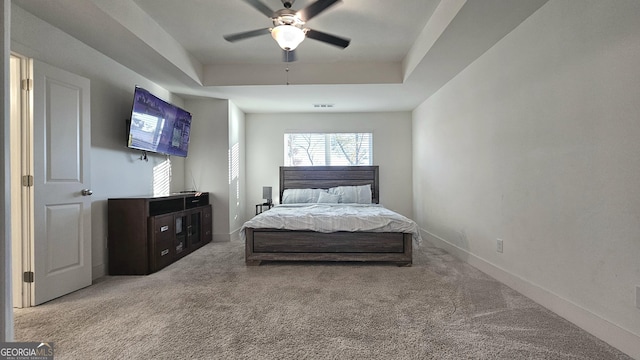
{"type": "Point", "coordinates": [263, 207]}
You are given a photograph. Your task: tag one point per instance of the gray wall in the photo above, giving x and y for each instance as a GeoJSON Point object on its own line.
{"type": "Point", "coordinates": [391, 150]}
{"type": "Point", "coordinates": [237, 170]}
{"type": "Point", "coordinates": [217, 145]}
{"type": "Point", "coordinates": [536, 143]}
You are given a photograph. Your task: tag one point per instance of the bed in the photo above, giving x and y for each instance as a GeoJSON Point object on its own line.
{"type": "Point", "coordinates": [297, 239]}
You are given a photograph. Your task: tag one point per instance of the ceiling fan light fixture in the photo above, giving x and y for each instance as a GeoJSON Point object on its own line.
{"type": "Point", "coordinates": [288, 36]}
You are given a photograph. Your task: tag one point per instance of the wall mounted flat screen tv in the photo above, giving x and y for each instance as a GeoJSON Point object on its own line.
{"type": "Point", "coordinates": [157, 126]}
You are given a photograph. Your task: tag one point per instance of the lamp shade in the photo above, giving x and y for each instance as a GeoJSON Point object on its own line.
{"type": "Point", "coordinates": [288, 36]}
{"type": "Point", "coordinates": [266, 192]}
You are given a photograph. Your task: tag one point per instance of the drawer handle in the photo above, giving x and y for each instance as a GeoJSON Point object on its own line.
{"type": "Point", "coordinates": [164, 228]}
{"type": "Point", "coordinates": [164, 252]}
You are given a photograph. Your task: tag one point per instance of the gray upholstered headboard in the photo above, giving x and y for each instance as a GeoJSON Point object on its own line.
{"type": "Point", "coordinates": [324, 177]}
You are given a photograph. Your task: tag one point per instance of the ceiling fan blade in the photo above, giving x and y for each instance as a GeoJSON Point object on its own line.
{"type": "Point", "coordinates": [246, 34]}
{"type": "Point", "coordinates": [260, 6]}
{"type": "Point", "coordinates": [315, 8]}
{"type": "Point", "coordinates": [328, 38]}
{"type": "Point", "coordinates": [289, 55]}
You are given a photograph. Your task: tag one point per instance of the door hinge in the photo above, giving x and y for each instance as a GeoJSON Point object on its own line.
{"type": "Point", "coordinates": [27, 180]}
{"type": "Point", "coordinates": [27, 84]}
{"type": "Point", "coordinates": [28, 276]}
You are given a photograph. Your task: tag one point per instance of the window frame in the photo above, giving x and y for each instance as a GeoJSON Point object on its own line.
{"type": "Point", "coordinates": [327, 148]}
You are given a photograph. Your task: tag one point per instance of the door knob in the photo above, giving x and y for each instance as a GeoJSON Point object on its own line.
{"type": "Point", "coordinates": [86, 192]}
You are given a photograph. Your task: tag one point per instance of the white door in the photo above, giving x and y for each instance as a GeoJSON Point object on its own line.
{"type": "Point", "coordinates": [62, 207]}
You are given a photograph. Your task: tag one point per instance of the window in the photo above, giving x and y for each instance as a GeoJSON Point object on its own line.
{"type": "Point", "coordinates": [319, 149]}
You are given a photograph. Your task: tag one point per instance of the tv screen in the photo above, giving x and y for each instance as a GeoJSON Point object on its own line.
{"type": "Point", "coordinates": [158, 126]}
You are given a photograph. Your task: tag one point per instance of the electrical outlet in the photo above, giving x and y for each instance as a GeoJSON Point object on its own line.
{"type": "Point", "coordinates": [499, 245]}
{"type": "Point", "coordinates": [638, 296]}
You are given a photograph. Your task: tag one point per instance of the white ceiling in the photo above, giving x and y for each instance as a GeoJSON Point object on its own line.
{"type": "Point", "coordinates": [401, 52]}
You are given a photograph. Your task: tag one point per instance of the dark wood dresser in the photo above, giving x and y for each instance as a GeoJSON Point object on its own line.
{"type": "Point", "coordinates": [146, 234]}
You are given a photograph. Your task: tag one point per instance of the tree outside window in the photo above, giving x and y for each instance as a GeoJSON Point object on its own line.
{"type": "Point", "coordinates": [319, 149]}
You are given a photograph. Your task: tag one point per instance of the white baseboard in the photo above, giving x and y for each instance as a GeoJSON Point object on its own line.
{"type": "Point", "coordinates": [235, 235]}
{"type": "Point", "coordinates": [612, 334]}
{"type": "Point", "coordinates": [97, 271]}
{"type": "Point", "coordinates": [221, 237]}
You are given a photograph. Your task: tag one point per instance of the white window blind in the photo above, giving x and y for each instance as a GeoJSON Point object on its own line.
{"type": "Point", "coordinates": [321, 149]}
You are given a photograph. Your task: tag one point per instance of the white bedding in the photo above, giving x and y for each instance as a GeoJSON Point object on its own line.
{"type": "Point", "coordinates": [332, 218]}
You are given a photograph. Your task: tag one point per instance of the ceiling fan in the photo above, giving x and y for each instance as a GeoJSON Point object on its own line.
{"type": "Point", "coordinates": [289, 26]}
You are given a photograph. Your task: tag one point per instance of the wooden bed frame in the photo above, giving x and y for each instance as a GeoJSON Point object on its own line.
{"type": "Point", "coordinates": [294, 245]}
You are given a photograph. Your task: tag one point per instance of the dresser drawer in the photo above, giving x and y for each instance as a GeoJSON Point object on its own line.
{"type": "Point", "coordinates": [191, 202]}
{"type": "Point", "coordinates": [162, 227]}
{"type": "Point", "coordinates": [162, 251]}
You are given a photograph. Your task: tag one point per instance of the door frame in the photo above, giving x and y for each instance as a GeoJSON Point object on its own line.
{"type": "Point", "coordinates": [21, 165]}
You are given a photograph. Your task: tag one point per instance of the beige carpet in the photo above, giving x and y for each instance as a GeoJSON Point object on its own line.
{"type": "Point", "coordinates": [209, 305]}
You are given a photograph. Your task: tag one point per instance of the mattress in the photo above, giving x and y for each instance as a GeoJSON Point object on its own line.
{"type": "Point", "coordinates": [333, 218]}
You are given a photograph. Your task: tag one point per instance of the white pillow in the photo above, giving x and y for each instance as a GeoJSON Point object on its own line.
{"type": "Point", "coordinates": [301, 196]}
{"type": "Point", "coordinates": [327, 198]}
{"type": "Point", "coordinates": [353, 194]}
